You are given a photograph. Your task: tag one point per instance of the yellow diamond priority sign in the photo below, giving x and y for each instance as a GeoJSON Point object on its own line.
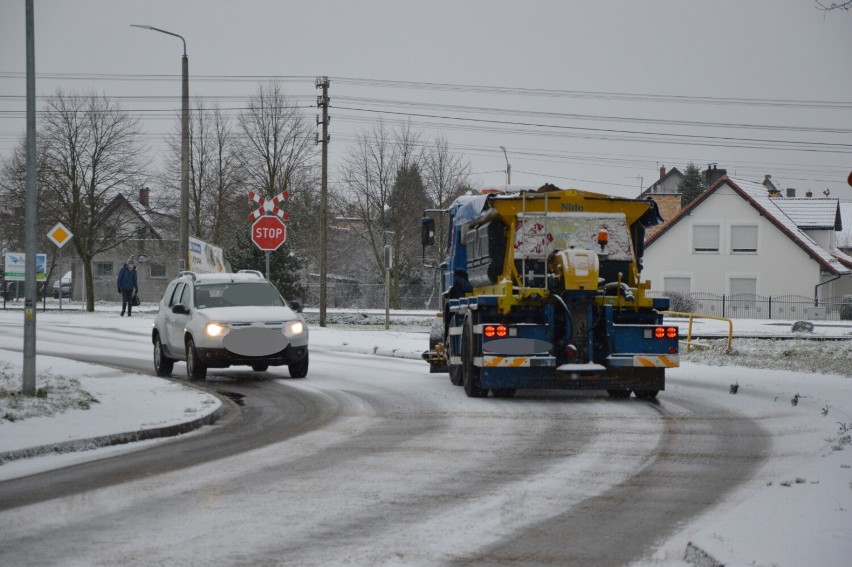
{"type": "Point", "coordinates": [59, 234]}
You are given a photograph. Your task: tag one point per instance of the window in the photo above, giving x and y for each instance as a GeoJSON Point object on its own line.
{"type": "Point", "coordinates": [743, 291]}
{"type": "Point", "coordinates": [158, 270]}
{"type": "Point", "coordinates": [177, 294]}
{"type": "Point", "coordinates": [677, 284]}
{"type": "Point", "coordinates": [743, 239]}
{"type": "Point", "coordinates": [705, 238]}
{"type": "Point", "coordinates": [103, 268]}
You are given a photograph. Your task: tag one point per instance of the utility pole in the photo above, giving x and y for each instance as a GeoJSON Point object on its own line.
{"type": "Point", "coordinates": [184, 162]}
{"type": "Point", "coordinates": [28, 386]}
{"type": "Point", "coordinates": [323, 102]}
{"type": "Point", "coordinates": [183, 244]}
{"type": "Point", "coordinates": [508, 167]}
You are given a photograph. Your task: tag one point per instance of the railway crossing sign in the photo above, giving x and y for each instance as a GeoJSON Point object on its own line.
{"type": "Point", "coordinates": [268, 206]}
{"type": "Point", "coordinates": [268, 232]}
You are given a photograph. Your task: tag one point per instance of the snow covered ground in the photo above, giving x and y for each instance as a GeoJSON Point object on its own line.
{"type": "Point", "coordinates": [797, 510]}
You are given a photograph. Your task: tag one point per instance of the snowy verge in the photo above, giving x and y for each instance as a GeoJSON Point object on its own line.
{"type": "Point", "coordinates": [119, 408]}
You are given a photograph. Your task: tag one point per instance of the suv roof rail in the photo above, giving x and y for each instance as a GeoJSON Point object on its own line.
{"type": "Point", "coordinates": [255, 272]}
{"type": "Point", "coordinates": [187, 273]}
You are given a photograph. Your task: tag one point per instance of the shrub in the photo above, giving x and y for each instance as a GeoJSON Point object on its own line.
{"type": "Point", "coordinates": [846, 308]}
{"type": "Point", "coordinates": [681, 302]}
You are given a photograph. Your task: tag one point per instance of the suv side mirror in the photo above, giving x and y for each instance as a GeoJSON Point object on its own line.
{"type": "Point", "coordinates": [180, 309]}
{"type": "Point", "coordinates": [295, 306]}
{"type": "Point", "coordinates": [427, 231]}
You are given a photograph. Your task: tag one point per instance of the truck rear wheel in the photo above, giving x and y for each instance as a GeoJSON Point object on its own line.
{"type": "Point", "coordinates": [454, 370]}
{"type": "Point", "coordinates": [618, 394]}
{"type": "Point", "coordinates": [471, 374]}
{"type": "Point", "coordinates": [646, 394]}
{"type": "Point", "coordinates": [504, 392]}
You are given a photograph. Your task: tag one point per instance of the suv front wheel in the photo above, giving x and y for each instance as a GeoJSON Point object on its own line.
{"type": "Point", "coordinates": [163, 365]}
{"type": "Point", "coordinates": [195, 369]}
{"type": "Point", "coordinates": [299, 369]}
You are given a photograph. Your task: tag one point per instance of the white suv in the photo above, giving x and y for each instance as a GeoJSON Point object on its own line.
{"type": "Point", "coordinates": [219, 320]}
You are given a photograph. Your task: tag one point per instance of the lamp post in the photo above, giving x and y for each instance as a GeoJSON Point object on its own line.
{"type": "Point", "coordinates": [508, 167]}
{"type": "Point", "coordinates": [183, 243]}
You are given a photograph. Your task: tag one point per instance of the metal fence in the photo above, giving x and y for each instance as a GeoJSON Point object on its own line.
{"type": "Point", "coordinates": [353, 295]}
{"type": "Point", "coordinates": [749, 306]}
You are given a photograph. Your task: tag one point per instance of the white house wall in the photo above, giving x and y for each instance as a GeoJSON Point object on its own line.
{"type": "Point", "coordinates": [780, 266]}
{"type": "Point", "coordinates": [824, 237]}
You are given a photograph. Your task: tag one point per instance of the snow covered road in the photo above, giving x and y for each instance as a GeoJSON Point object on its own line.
{"type": "Point", "coordinates": [374, 461]}
{"type": "Point", "coordinates": [407, 470]}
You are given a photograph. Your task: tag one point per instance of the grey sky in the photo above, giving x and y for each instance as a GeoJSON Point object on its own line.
{"type": "Point", "coordinates": [690, 61]}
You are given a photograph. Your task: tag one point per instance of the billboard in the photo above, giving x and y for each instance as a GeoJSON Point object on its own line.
{"type": "Point", "coordinates": [205, 258]}
{"type": "Point", "coordinates": [15, 267]}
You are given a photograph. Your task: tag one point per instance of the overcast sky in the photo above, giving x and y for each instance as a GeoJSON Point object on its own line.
{"type": "Point", "coordinates": [594, 95]}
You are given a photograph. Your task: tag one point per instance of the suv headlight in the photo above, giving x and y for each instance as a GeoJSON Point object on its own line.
{"type": "Point", "coordinates": [215, 329]}
{"type": "Point", "coordinates": [295, 327]}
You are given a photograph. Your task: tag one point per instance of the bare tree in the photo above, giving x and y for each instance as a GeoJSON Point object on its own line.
{"type": "Point", "coordinates": [278, 141]}
{"type": "Point", "coordinates": [278, 151]}
{"type": "Point", "coordinates": [446, 176]}
{"type": "Point", "coordinates": [845, 5]}
{"type": "Point", "coordinates": [368, 174]}
{"type": "Point", "coordinates": [91, 161]}
{"type": "Point", "coordinates": [215, 175]}
{"type": "Point", "coordinates": [12, 214]}
{"type": "Point", "coordinates": [386, 192]}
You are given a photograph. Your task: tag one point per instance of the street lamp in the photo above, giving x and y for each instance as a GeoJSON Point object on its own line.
{"type": "Point", "coordinates": [508, 167]}
{"type": "Point", "coordinates": [183, 243]}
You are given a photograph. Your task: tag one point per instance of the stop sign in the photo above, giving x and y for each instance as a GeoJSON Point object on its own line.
{"type": "Point", "coordinates": [268, 232]}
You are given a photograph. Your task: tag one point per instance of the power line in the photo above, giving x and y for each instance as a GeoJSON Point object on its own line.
{"type": "Point", "coordinates": [455, 87]}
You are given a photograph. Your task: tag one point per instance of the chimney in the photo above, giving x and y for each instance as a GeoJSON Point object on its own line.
{"type": "Point", "coordinates": [144, 194]}
{"type": "Point", "coordinates": [809, 194]}
{"type": "Point", "coordinates": [662, 171]}
{"type": "Point", "coordinates": [712, 174]}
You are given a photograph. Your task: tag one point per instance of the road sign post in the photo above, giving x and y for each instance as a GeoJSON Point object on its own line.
{"type": "Point", "coordinates": [268, 233]}
{"type": "Point", "coordinates": [59, 235]}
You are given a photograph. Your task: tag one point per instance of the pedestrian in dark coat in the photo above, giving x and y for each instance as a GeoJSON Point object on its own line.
{"type": "Point", "coordinates": [127, 286]}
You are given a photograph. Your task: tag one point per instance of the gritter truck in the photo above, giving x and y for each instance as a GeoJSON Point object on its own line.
{"type": "Point", "coordinates": [542, 289]}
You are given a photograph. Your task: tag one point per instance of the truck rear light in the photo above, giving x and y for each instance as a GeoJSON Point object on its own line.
{"type": "Point", "coordinates": [491, 331]}
{"type": "Point", "coordinates": [664, 333]}
{"type": "Point", "coordinates": [570, 352]}
{"type": "Point", "coordinates": [673, 350]}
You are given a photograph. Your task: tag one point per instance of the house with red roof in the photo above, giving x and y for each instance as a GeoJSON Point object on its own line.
{"type": "Point", "coordinates": [741, 241]}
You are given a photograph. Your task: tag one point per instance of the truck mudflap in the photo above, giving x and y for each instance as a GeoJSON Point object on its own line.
{"type": "Point", "coordinates": [492, 361]}
{"type": "Point", "coordinates": [643, 380]}
{"type": "Point", "coordinates": [645, 361]}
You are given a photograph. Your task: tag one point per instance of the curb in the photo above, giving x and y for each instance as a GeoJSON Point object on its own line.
{"type": "Point", "coordinates": [78, 445]}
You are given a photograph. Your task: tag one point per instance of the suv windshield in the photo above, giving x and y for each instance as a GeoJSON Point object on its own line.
{"type": "Point", "coordinates": [237, 294]}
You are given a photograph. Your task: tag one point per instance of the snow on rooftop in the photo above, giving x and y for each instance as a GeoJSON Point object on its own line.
{"type": "Point", "coordinates": [758, 193]}
{"type": "Point", "coordinates": [844, 235]}
{"type": "Point", "coordinates": [810, 213]}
